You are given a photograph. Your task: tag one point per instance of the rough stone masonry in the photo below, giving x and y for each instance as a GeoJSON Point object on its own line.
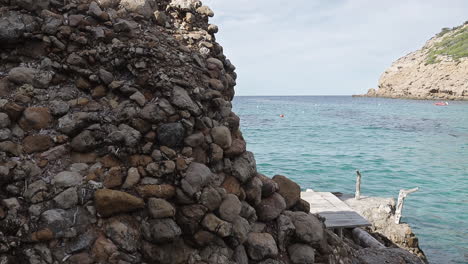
{"type": "Point", "coordinates": [118, 144]}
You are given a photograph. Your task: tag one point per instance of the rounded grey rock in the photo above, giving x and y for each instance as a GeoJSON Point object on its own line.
{"type": "Point", "coordinates": [261, 246]}
{"type": "Point", "coordinates": [4, 120]}
{"type": "Point", "coordinates": [164, 230]}
{"type": "Point", "coordinates": [301, 254]}
{"type": "Point", "coordinates": [270, 208]}
{"type": "Point", "coordinates": [230, 208]}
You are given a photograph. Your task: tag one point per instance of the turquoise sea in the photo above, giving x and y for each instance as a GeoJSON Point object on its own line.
{"type": "Point", "coordinates": [396, 144]}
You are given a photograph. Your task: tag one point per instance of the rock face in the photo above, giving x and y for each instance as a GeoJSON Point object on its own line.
{"type": "Point", "coordinates": [381, 213]}
{"type": "Point", "coordinates": [118, 144]}
{"type": "Point", "coordinates": [439, 70]}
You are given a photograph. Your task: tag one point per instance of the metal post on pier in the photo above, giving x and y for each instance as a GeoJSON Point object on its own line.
{"type": "Point", "coordinates": [357, 195]}
{"type": "Point", "coordinates": [401, 199]}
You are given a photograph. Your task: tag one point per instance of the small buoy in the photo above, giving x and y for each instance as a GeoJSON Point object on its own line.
{"type": "Point", "coordinates": [281, 115]}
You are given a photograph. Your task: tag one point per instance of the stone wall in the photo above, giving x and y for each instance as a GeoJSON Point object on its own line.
{"type": "Point", "coordinates": [118, 144]}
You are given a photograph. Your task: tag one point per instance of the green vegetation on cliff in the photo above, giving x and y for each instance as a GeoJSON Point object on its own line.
{"type": "Point", "coordinates": [454, 45]}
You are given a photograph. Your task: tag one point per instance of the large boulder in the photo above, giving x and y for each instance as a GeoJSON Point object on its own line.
{"type": "Point", "coordinates": [181, 99]}
{"type": "Point", "coordinates": [261, 246]}
{"type": "Point", "coordinates": [230, 208]}
{"type": "Point", "coordinates": [309, 229]}
{"type": "Point", "coordinates": [198, 175]}
{"type": "Point", "coordinates": [270, 208]}
{"type": "Point", "coordinates": [13, 26]}
{"type": "Point", "coordinates": [221, 136]}
{"type": "Point", "coordinates": [244, 167]}
{"type": "Point", "coordinates": [301, 254]}
{"type": "Point", "coordinates": [171, 135]}
{"type": "Point", "coordinates": [290, 190]}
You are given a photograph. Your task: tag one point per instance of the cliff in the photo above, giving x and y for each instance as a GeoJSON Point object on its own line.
{"type": "Point", "coordinates": [439, 70]}
{"type": "Point", "coordinates": [118, 145]}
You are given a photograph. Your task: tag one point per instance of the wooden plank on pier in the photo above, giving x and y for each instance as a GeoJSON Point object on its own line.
{"type": "Point", "coordinates": [337, 214]}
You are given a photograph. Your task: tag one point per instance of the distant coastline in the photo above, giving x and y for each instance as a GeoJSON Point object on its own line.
{"type": "Point", "coordinates": [437, 71]}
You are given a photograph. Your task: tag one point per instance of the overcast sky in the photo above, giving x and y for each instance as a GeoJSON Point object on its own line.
{"type": "Point", "coordinates": [324, 47]}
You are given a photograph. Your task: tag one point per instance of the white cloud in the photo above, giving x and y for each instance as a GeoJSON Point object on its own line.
{"type": "Point", "coordinates": [324, 46]}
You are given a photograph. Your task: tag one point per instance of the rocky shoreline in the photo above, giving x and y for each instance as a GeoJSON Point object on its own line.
{"type": "Point", "coordinates": [380, 212]}
{"type": "Point", "coordinates": [118, 145]}
{"type": "Point", "coordinates": [437, 71]}
{"type": "Point", "coordinates": [372, 94]}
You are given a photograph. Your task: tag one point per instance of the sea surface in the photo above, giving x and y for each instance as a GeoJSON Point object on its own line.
{"type": "Point", "coordinates": [322, 140]}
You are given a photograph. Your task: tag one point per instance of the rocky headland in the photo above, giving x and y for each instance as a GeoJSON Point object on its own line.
{"type": "Point", "coordinates": [439, 70]}
{"type": "Point", "coordinates": [118, 145]}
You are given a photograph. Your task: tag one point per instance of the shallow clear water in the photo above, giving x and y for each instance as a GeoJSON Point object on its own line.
{"type": "Point", "coordinates": [395, 143]}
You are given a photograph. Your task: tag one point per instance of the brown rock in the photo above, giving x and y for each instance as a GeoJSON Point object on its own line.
{"type": "Point", "coordinates": [37, 143]}
{"type": "Point", "coordinates": [302, 205]}
{"type": "Point", "coordinates": [232, 185]}
{"type": "Point", "coordinates": [216, 225]}
{"type": "Point", "coordinates": [2, 213]}
{"type": "Point", "coordinates": [181, 164]}
{"type": "Point", "coordinates": [170, 153]}
{"type": "Point", "coordinates": [113, 178]}
{"type": "Point", "coordinates": [203, 238]}
{"type": "Point", "coordinates": [238, 147]}
{"type": "Point", "coordinates": [189, 217]}
{"type": "Point", "coordinates": [99, 91]}
{"type": "Point", "coordinates": [35, 118]}
{"type": "Point", "coordinates": [109, 202]}
{"type": "Point", "coordinates": [77, 157]}
{"type": "Point", "coordinates": [10, 147]}
{"type": "Point", "coordinates": [164, 191]}
{"type": "Point", "coordinates": [140, 160]}
{"type": "Point", "coordinates": [81, 258]}
{"type": "Point", "coordinates": [199, 155]}
{"type": "Point", "coordinates": [103, 249]}
{"type": "Point", "coordinates": [160, 208]}
{"type": "Point", "coordinates": [109, 161]}
{"type": "Point", "coordinates": [82, 83]}
{"type": "Point", "coordinates": [290, 190]}
{"type": "Point", "coordinates": [13, 110]}
{"type": "Point", "coordinates": [216, 152]}
{"type": "Point", "coordinates": [43, 235]}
